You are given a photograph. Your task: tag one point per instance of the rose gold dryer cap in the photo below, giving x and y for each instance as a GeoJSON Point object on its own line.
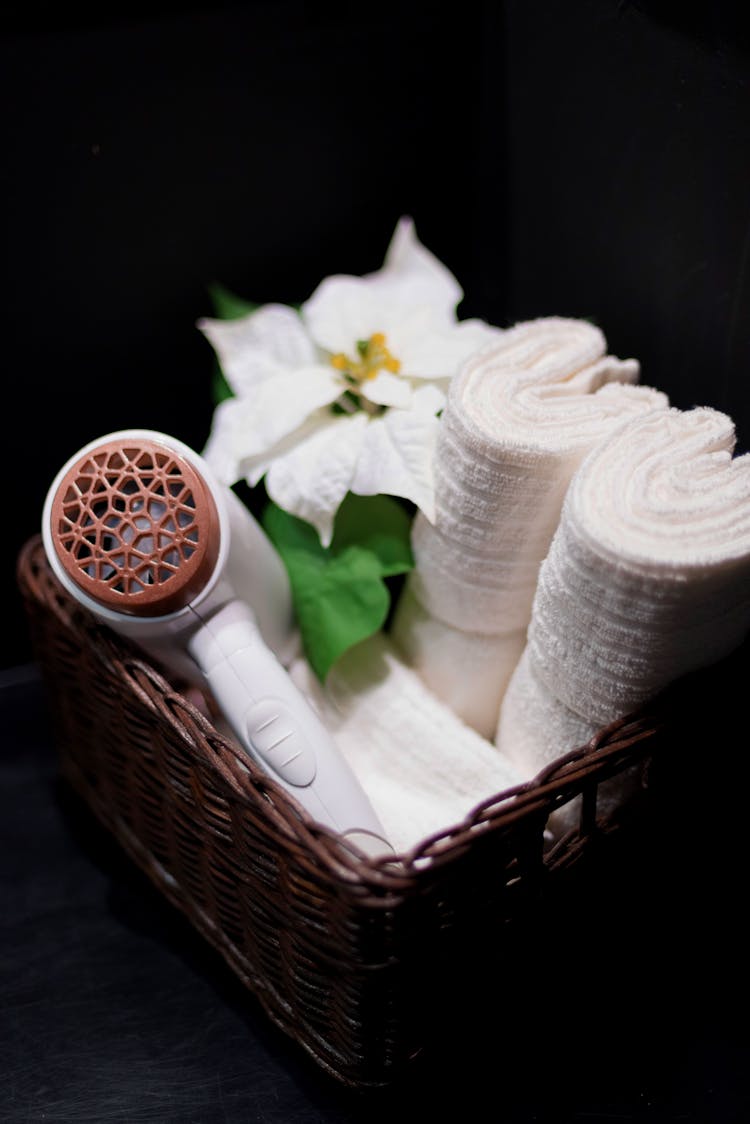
{"type": "Point", "coordinates": [135, 527]}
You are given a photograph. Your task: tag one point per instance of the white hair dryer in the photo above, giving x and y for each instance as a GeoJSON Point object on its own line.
{"type": "Point", "coordinates": [137, 529]}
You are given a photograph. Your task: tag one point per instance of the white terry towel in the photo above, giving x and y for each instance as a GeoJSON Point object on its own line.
{"type": "Point", "coordinates": [647, 578]}
{"type": "Point", "coordinates": [520, 417]}
{"type": "Point", "coordinates": [422, 768]}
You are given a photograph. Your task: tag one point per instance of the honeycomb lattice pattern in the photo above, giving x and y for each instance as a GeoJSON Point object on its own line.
{"type": "Point", "coordinates": [130, 521]}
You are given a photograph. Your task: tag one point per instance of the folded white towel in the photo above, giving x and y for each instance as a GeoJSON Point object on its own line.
{"type": "Point", "coordinates": [520, 417]}
{"type": "Point", "coordinates": [422, 768]}
{"type": "Point", "coordinates": [647, 578]}
{"type": "Point", "coordinates": [468, 671]}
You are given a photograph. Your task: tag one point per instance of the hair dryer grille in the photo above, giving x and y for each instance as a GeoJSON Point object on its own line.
{"type": "Point", "coordinates": [135, 527]}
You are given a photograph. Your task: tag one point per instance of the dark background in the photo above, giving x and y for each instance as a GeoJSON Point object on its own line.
{"type": "Point", "coordinates": [573, 157]}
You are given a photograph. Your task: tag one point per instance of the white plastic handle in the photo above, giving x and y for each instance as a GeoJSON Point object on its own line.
{"type": "Point", "coordinates": [278, 727]}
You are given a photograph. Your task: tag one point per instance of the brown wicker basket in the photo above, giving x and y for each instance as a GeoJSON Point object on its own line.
{"type": "Point", "coordinates": [344, 954]}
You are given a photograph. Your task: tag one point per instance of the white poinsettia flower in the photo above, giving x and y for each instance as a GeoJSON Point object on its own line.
{"type": "Point", "coordinates": [344, 395]}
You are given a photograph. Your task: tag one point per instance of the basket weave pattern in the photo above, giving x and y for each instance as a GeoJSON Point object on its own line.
{"type": "Point", "coordinates": [340, 951]}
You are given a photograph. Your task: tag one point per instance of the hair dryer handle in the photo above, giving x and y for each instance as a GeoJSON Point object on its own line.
{"type": "Point", "coordinates": [277, 725]}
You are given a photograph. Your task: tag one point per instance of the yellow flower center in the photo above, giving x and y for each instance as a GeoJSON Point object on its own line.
{"type": "Point", "coordinates": [373, 356]}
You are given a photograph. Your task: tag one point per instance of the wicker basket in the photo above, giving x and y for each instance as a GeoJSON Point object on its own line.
{"type": "Point", "coordinates": [345, 955]}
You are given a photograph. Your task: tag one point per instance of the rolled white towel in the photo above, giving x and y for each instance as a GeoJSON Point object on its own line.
{"type": "Point", "coordinates": [647, 578]}
{"type": "Point", "coordinates": [422, 768]}
{"type": "Point", "coordinates": [520, 417]}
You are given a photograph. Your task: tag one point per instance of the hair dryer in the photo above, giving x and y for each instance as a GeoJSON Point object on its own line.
{"type": "Point", "coordinates": [137, 529]}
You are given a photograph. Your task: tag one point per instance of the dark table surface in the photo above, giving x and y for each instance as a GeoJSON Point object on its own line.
{"type": "Point", "coordinates": [113, 1009]}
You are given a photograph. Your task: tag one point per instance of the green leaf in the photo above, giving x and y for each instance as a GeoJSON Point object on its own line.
{"type": "Point", "coordinates": [227, 305]}
{"type": "Point", "coordinates": [340, 595]}
{"type": "Point", "coordinates": [290, 533]}
{"type": "Point", "coordinates": [381, 525]}
{"type": "Point", "coordinates": [338, 603]}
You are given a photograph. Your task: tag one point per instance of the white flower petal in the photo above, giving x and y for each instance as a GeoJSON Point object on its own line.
{"type": "Point", "coordinates": [412, 325]}
{"type": "Point", "coordinates": [255, 468]}
{"type": "Point", "coordinates": [386, 389]}
{"type": "Point", "coordinates": [430, 397]}
{"type": "Point", "coordinates": [438, 354]}
{"type": "Point", "coordinates": [413, 266]}
{"type": "Point", "coordinates": [256, 347]}
{"type": "Point", "coordinates": [397, 458]}
{"type": "Point", "coordinates": [252, 424]}
{"type": "Point", "coordinates": [344, 309]}
{"type": "Point", "coordinates": [223, 450]}
{"type": "Point", "coordinates": [312, 479]}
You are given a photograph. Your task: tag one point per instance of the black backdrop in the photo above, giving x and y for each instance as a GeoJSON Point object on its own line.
{"type": "Point", "coordinates": [574, 157]}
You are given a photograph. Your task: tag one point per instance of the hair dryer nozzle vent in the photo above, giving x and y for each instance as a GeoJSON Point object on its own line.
{"type": "Point", "coordinates": [135, 527]}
